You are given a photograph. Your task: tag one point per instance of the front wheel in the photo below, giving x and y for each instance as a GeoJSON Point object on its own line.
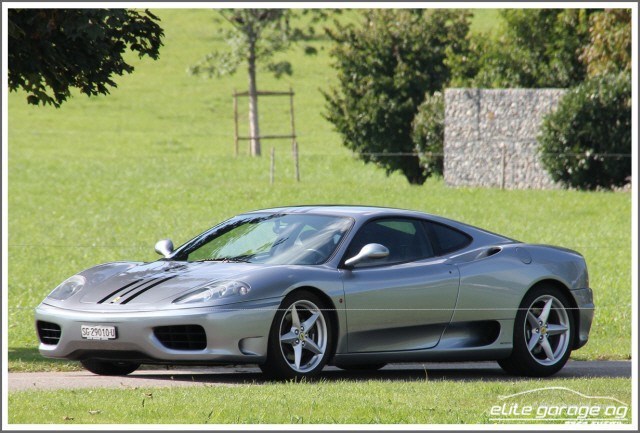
{"type": "Point", "coordinates": [109, 368]}
{"type": "Point", "coordinates": [300, 340]}
{"type": "Point", "coordinates": [542, 334]}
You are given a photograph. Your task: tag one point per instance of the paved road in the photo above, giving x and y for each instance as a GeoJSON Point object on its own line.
{"type": "Point", "coordinates": [240, 375]}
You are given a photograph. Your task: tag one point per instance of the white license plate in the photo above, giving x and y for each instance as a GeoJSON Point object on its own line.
{"type": "Point", "coordinates": [98, 332]}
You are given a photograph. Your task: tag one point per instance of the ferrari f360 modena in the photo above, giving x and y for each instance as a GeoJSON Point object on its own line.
{"type": "Point", "coordinates": [293, 289]}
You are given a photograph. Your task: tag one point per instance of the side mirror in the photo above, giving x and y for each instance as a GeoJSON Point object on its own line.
{"type": "Point", "coordinates": [369, 251]}
{"type": "Point", "coordinates": [164, 247]}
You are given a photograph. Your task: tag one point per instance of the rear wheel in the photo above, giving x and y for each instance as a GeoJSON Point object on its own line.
{"type": "Point", "coordinates": [542, 334]}
{"type": "Point", "coordinates": [301, 339]}
{"type": "Point", "coordinates": [109, 368]}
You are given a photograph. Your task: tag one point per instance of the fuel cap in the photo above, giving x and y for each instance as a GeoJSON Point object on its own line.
{"type": "Point", "coordinates": [523, 255]}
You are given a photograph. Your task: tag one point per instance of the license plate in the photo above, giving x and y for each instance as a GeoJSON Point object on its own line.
{"type": "Point", "coordinates": [98, 332]}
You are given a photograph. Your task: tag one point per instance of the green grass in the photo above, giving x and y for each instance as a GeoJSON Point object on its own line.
{"type": "Point", "coordinates": [103, 178]}
{"type": "Point", "coordinates": [365, 402]}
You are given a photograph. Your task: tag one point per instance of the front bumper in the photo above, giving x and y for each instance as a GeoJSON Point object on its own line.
{"type": "Point", "coordinates": [586, 307]}
{"type": "Point", "coordinates": [235, 334]}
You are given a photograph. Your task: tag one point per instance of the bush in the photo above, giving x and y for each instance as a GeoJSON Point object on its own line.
{"type": "Point", "coordinates": [586, 142]}
{"type": "Point", "coordinates": [384, 68]}
{"type": "Point", "coordinates": [428, 134]}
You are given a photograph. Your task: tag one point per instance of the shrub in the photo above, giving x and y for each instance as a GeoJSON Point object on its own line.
{"type": "Point", "coordinates": [428, 134]}
{"type": "Point", "coordinates": [384, 68]}
{"type": "Point", "coordinates": [586, 142]}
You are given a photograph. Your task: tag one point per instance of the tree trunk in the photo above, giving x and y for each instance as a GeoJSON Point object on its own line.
{"type": "Point", "coordinates": [254, 127]}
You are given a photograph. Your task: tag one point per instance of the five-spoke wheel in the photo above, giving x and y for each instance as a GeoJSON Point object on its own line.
{"type": "Point", "coordinates": [542, 334]}
{"type": "Point", "coordinates": [547, 330]}
{"type": "Point", "coordinates": [300, 338]}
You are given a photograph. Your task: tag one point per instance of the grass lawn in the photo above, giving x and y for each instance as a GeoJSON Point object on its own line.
{"type": "Point", "coordinates": [103, 178]}
{"type": "Point", "coordinates": [366, 402]}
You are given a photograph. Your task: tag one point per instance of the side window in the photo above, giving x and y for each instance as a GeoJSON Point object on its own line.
{"type": "Point", "coordinates": [405, 239]}
{"type": "Point", "coordinates": [446, 239]}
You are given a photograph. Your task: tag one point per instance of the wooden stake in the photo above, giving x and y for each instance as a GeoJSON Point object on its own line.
{"type": "Point", "coordinates": [235, 118]}
{"type": "Point", "coordinates": [503, 166]}
{"type": "Point", "coordinates": [273, 166]}
{"type": "Point", "coordinates": [293, 123]}
{"type": "Point", "coordinates": [296, 162]}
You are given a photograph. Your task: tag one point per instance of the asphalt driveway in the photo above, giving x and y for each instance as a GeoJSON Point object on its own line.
{"type": "Point", "coordinates": [240, 375]}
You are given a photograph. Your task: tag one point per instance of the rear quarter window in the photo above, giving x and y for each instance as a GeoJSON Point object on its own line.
{"type": "Point", "coordinates": [446, 239]}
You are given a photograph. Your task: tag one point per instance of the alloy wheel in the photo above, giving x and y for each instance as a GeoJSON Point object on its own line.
{"type": "Point", "coordinates": [547, 330]}
{"type": "Point", "coordinates": [303, 336]}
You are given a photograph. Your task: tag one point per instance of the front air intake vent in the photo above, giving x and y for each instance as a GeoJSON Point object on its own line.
{"type": "Point", "coordinates": [49, 333]}
{"type": "Point", "coordinates": [181, 337]}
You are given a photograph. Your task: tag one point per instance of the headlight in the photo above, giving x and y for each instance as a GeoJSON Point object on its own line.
{"type": "Point", "coordinates": [215, 290]}
{"type": "Point", "coordinates": [67, 288]}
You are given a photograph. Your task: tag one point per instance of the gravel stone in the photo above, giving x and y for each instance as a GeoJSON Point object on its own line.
{"type": "Point", "coordinates": [490, 137]}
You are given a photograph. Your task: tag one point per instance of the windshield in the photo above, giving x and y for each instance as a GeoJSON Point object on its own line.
{"type": "Point", "coordinates": [280, 239]}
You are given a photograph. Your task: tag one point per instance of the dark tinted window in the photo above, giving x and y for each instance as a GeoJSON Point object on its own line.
{"type": "Point", "coordinates": [405, 239]}
{"type": "Point", "coordinates": [446, 239]}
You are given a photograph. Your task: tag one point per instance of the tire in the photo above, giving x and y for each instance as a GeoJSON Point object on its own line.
{"type": "Point", "coordinates": [293, 351]}
{"type": "Point", "coordinates": [362, 367]}
{"type": "Point", "coordinates": [540, 350]}
{"type": "Point", "coordinates": [109, 368]}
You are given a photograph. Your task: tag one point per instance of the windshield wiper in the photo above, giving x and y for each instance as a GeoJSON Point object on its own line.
{"type": "Point", "coordinates": [237, 259]}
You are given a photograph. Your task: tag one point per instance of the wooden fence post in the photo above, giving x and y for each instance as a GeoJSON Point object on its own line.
{"type": "Point", "coordinates": [293, 123]}
{"type": "Point", "coordinates": [296, 161]}
{"type": "Point", "coordinates": [504, 162]}
{"type": "Point", "coordinates": [235, 118]}
{"type": "Point", "coordinates": [273, 166]}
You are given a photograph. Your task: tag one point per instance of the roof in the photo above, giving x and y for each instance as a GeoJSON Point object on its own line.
{"type": "Point", "coordinates": [360, 212]}
{"type": "Point", "coordinates": [340, 209]}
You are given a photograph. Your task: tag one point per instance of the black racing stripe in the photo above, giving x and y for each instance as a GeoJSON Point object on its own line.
{"type": "Point", "coordinates": [121, 288]}
{"type": "Point", "coordinates": [150, 280]}
{"type": "Point", "coordinates": [147, 288]}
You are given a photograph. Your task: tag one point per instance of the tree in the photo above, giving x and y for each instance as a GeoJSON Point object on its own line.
{"type": "Point", "coordinates": [255, 36]}
{"type": "Point", "coordinates": [53, 50]}
{"type": "Point", "coordinates": [533, 48]}
{"type": "Point", "coordinates": [609, 48]}
{"type": "Point", "coordinates": [385, 67]}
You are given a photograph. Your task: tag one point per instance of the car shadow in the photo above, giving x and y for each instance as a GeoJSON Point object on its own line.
{"type": "Point", "coordinates": [471, 372]}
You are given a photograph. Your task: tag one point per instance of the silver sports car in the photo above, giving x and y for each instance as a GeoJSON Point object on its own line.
{"type": "Point", "coordinates": [293, 289]}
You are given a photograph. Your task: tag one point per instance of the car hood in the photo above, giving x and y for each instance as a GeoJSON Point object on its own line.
{"type": "Point", "coordinates": [148, 286]}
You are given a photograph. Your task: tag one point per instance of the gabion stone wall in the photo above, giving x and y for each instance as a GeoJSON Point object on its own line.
{"type": "Point", "coordinates": [490, 137]}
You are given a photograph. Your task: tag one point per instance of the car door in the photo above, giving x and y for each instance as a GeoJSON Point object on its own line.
{"type": "Point", "coordinates": [403, 301]}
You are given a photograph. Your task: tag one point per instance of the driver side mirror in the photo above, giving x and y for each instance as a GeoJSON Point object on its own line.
{"type": "Point", "coordinates": [164, 247]}
{"type": "Point", "coordinates": [369, 251]}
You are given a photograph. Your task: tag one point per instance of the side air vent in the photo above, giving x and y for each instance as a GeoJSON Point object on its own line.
{"type": "Point", "coordinates": [486, 252]}
{"type": "Point", "coordinates": [181, 337]}
{"type": "Point", "coordinates": [492, 251]}
{"type": "Point", "coordinates": [48, 333]}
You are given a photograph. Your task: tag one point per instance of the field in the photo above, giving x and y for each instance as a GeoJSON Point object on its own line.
{"type": "Point", "coordinates": [360, 402]}
{"type": "Point", "coordinates": [103, 178]}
